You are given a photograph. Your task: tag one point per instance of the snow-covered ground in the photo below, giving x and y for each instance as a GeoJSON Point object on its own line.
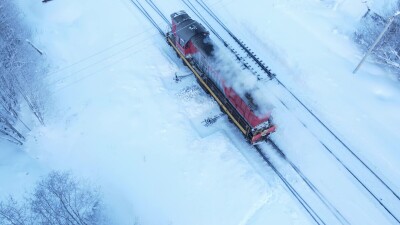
{"type": "Point", "coordinates": [120, 120]}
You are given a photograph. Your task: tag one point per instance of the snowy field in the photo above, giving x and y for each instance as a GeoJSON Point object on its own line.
{"type": "Point", "coordinates": [119, 119]}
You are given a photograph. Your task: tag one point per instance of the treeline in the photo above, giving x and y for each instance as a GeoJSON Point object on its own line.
{"type": "Point", "coordinates": [371, 25]}
{"type": "Point", "coordinates": [22, 74]}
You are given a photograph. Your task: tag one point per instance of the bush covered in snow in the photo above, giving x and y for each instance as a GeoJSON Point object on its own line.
{"type": "Point", "coordinates": [57, 199]}
{"type": "Point", "coordinates": [388, 49]}
{"type": "Point", "coordinates": [21, 74]}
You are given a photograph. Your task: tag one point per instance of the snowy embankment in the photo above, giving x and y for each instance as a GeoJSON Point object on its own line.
{"type": "Point", "coordinates": [308, 45]}
{"type": "Point", "coordinates": [121, 121]}
{"type": "Point", "coordinates": [360, 108]}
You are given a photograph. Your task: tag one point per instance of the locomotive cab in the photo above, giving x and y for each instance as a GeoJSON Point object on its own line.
{"type": "Point", "coordinates": [184, 29]}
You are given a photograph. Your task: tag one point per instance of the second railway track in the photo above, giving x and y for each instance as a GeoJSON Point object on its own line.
{"type": "Point", "coordinates": [386, 199]}
{"type": "Point", "coordinates": [249, 54]}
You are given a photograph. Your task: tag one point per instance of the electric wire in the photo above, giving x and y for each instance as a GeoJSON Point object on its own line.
{"type": "Point", "coordinates": [108, 57]}
{"type": "Point", "coordinates": [97, 71]}
{"type": "Point", "coordinates": [99, 52]}
{"type": "Point", "coordinates": [151, 3]}
{"type": "Point", "coordinates": [208, 10]}
{"type": "Point", "coordinates": [307, 207]}
{"type": "Point", "coordinates": [147, 15]}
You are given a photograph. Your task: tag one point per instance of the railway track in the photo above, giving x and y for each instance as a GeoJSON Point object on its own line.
{"type": "Point", "coordinates": [241, 58]}
{"type": "Point", "coordinates": [257, 62]}
{"type": "Point", "coordinates": [286, 170]}
{"type": "Point", "coordinates": [307, 207]}
{"type": "Point", "coordinates": [317, 219]}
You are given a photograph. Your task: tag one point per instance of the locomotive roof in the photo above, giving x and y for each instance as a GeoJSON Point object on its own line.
{"type": "Point", "coordinates": [189, 28]}
{"type": "Point", "coordinates": [186, 27]}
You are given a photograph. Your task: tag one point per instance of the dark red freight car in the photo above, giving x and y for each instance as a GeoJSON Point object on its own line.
{"type": "Point", "coordinates": [191, 41]}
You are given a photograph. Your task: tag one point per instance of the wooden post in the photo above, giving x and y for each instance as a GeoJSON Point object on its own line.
{"type": "Point", "coordinates": [33, 46]}
{"type": "Point", "coordinates": [391, 19]}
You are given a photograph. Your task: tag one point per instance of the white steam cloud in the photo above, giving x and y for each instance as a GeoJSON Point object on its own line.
{"type": "Point", "coordinates": [242, 81]}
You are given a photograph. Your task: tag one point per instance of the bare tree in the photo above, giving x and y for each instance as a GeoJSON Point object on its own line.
{"type": "Point", "coordinates": [12, 213]}
{"type": "Point", "coordinates": [58, 199]}
{"type": "Point", "coordinates": [22, 73]}
{"type": "Point", "coordinates": [387, 51]}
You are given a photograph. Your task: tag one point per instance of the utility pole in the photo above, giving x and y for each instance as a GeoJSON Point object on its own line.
{"type": "Point", "coordinates": [391, 19]}
{"type": "Point", "coordinates": [33, 46]}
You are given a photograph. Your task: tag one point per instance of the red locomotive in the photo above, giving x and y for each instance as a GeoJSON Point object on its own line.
{"type": "Point", "coordinates": [192, 43]}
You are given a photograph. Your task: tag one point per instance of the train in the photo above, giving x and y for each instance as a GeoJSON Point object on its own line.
{"type": "Point", "coordinates": [192, 43]}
